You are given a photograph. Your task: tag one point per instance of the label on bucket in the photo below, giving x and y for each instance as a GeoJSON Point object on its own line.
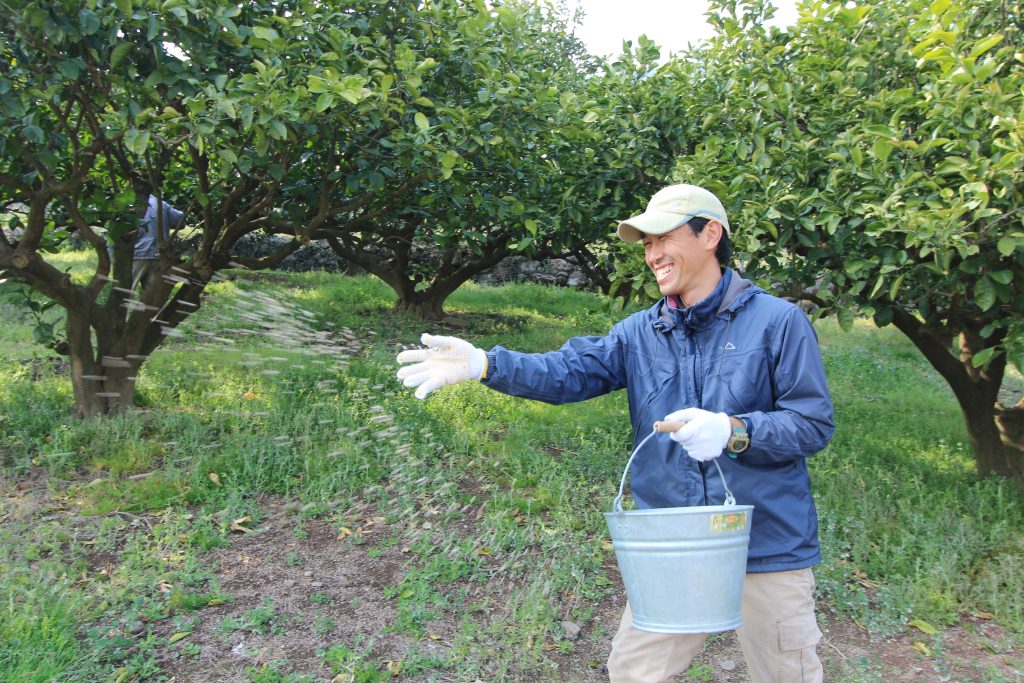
{"type": "Point", "coordinates": [728, 521]}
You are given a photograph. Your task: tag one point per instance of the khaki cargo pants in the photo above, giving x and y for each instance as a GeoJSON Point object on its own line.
{"type": "Point", "coordinates": [779, 637]}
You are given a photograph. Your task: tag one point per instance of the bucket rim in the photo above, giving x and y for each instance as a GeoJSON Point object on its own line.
{"type": "Point", "coordinates": [692, 510]}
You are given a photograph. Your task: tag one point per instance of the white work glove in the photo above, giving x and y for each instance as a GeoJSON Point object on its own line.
{"type": "Point", "coordinates": [446, 360]}
{"type": "Point", "coordinates": [704, 435]}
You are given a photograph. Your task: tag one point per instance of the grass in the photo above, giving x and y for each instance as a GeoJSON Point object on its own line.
{"type": "Point", "coordinates": [908, 532]}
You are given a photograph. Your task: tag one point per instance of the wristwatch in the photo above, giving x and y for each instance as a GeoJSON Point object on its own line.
{"type": "Point", "coordinates": [739, 440]}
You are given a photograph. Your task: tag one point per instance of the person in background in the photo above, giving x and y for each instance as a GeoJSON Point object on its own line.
{"type": "Point", "coordinates": [153, 214]}
{"type": "Point", "coordinates": [742, 369]}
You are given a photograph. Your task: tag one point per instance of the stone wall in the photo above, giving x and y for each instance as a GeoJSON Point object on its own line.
{"type": "Point", "coordinates": [320, 256]}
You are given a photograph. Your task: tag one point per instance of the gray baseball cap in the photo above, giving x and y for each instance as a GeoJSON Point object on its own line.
{"type": "Point", "coordinates": [672, 207]}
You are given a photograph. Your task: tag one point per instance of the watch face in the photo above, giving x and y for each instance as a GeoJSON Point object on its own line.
{"type": "Point", "coordinates": [738, 443]}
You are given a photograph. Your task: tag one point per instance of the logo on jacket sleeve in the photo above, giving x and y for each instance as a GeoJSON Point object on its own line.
{"type": "Point", "coordinates": [729, 346]}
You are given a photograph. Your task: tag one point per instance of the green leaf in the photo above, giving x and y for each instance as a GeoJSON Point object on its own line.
{"type": "Point", "coordinates": [952, 165]}
{"type": "Point", "coordinates": [246, 113]}
{"type": "Point", "coordinates": [136, 141]}
{"type": "Point", "coordinates": [881, 149]}
{"type": "Point", "coordinates": [265, 33]}
{"type": "Point", "coordinates": [449, 159]}
{"type": "Point", "coordinates": [315, 84]}
{"type": "Point", "coordinates": [43, 333]}
{"type": "Point", "coordinates": [228, 107]}
{"type": "Point", "coordinates": [895, 288]}
{"type": "Point", "coordinates": [70, 68]}
{"type": "Point", "coordinates": [124, 7]}
{"type": "Point", "coordinates": [984, 293]}
{"type": "Point", "coordinates": [1006, 245]}
{"type": "Point", "coordinates": [181, 13]}
{"type": "Point", "coordinates": [883, 316]}
{"type": "Point", "coordinates": [985, 44]}
{"type": "Point", "coordinates": [88, 21]}
{"type": "Point", "coordinates": [590, 117]}
{"type": "Point", "coordinates": [228, 156]}
{"type": "Point", "coordinates": [118, 54]}
{"type": "Point", "coordinates": [324, 102]}
{"type": "Point", "coordinates": [523, 244]}
{"type": "Point", "coordinates": [980, 358]}
{"type": "Point", "coordinates": [1003, 277]}
{"type": "Point", "coordinates": [884, 131]}
{"type": "Point", "coordinates": [879, 283]}
{"type": "Point", "coordinates": [845, 318]}
{"type": "Point", "coordinates": [422, 122]}
{"type": "Point", "coordinates": [354, 95]}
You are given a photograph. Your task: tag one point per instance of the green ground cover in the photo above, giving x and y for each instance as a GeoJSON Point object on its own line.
{"type": "Point", "coordinates": [229, 420]}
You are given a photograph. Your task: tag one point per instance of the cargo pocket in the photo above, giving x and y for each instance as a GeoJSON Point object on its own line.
{"type": "Point", "coordinates": [798, 658]}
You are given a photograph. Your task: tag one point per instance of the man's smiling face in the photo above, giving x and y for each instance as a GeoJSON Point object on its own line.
{"type": "Point", "coordinates": [684, 264]}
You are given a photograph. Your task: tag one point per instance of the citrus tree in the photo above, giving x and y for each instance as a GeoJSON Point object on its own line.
{"type": "Point", "coordinates": [521, 144]}
{"type": "Point", "coordinates": [872, 160]}
{"type": "Point", "coordinates": [393, 128]}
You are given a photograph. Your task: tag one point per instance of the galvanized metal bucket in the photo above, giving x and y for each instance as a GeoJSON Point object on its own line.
{"type": "Point", "coordinates": [683, 568]}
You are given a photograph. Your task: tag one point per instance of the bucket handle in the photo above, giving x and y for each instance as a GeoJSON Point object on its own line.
{"type": "Point", "coordinates": [729, 501]}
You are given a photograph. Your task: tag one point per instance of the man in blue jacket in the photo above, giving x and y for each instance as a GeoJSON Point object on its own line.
{"type": "Point", "coordinates": [742, 369]}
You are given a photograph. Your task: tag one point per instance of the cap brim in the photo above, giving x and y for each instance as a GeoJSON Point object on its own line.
{"type": "Point", "coordinates": [650, 223]}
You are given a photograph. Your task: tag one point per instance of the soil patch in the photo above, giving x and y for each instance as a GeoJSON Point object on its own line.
{"type": "Point", "coordinates": [297, 589]}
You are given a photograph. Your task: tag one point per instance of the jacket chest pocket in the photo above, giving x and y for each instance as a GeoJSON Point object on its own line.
{"type": "Point", "coordinates": [739, 381]}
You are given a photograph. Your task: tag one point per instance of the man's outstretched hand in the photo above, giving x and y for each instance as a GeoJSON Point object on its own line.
{"type": "Point", "coordinates": [444, 361]}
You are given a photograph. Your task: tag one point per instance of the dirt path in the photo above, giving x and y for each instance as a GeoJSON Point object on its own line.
{"type": "Point", "coordinates": [294, 596]}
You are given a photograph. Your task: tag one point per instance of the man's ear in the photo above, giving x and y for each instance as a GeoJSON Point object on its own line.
{"type": "Point", "coordinates": [712, 233]}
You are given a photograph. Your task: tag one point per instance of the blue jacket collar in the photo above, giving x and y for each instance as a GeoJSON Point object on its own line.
{"type": "Point", "coordinates": [728, 296]}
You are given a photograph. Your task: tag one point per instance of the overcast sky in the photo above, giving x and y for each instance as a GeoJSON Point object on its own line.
{"type": "Point", "coordinates": [672, 24]}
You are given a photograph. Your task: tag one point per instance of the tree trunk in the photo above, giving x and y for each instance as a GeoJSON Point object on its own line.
{"type": "Point", "coordinates": [424, 307]}
{"type": "Point", "coordinates": [103, 384]}
{"type": "Point", "coordinates": [996, 451]}
{"type": "Point", "coordinates": [1011, 429]}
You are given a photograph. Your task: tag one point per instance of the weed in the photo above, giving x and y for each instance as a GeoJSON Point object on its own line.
{"type": "Point", "coordinates": [324, 626]}
{"type": "Point", "coordinates": [701, 671]}
{"type": "Point", "coordinates": [193, 650]}
{"type": "Point", "coordinates": [344, 660]}
{"type": "Point", "coordinates": [268, 673]}
{"type": "Point", "coordinates": [257, 620]}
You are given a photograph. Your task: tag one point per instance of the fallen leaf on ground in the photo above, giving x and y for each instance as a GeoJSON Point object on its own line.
{"type": "Point", "coordinates": [924, 627]}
